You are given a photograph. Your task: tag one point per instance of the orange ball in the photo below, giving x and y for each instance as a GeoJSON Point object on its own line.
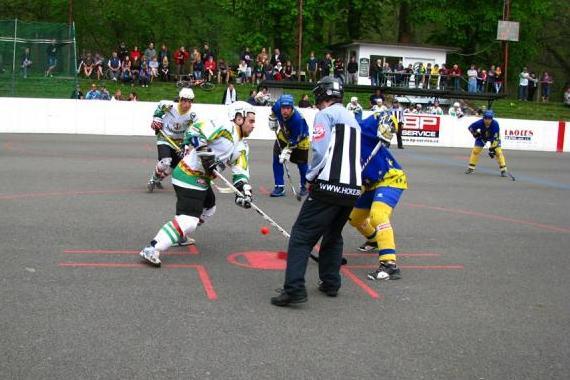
{"type": "Point", "coordinates": [264, 230]}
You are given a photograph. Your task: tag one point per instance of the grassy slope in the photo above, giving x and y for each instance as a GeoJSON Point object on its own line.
{"type": "Point", "coordinates": [40, 87]}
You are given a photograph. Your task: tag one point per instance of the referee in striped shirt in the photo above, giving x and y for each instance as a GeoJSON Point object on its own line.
{"type": "Point", "coordinates": [398, 112]}
{"type": "Point", "coordinates": [335, 180]}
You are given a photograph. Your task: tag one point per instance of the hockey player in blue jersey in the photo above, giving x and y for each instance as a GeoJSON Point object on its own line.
{"type": "Point", "coordinates": [487, 130]}
{"type": "Point", "coordinates": [292, 142]}
{"type": "Point", "coordinates": [383, 182]}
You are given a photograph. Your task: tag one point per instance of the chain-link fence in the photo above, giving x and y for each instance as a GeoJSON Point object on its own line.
{"type": "Point", "coordinates": [35, 50]}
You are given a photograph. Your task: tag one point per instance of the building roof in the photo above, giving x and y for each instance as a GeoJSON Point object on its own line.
{"type": "Point", "coordinates": [396, 44]}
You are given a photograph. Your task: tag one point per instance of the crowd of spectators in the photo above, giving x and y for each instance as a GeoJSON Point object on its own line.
{"type": "Point", "coordinates": [133, 66]}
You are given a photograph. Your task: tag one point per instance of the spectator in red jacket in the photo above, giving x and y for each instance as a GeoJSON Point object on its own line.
{"type": "Point", "coordinates": [135, 53]}
{"type": "Point", "coordinates": [210, 69]}
{"type": "Point", "coordinates": [180, 57]}
{"type": "Point", "coordinates": [455, 75]}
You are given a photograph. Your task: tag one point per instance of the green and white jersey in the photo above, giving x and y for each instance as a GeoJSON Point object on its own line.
{"type": "Point", "coordinates": [175, 123]}
{"type": "Point", "coordinates": [226, 142]}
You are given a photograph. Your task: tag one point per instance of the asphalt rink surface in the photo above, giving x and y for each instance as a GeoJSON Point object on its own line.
{"type": "Point", "coordinates": [484, 292]}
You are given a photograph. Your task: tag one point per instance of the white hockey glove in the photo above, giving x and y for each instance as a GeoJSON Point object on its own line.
{"type": "Point", "coordinates": [285, 155]}
{"type": "Point", "coordinates": [476, 133]}
{"type": "Point", "coordinates": [245, 200]}
{"type": "Point", "coordinates": [273, 123]}
{"type": "Point", "coordinates": [187, 149]}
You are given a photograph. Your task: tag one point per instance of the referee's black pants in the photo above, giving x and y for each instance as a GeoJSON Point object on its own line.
{"type": "Point", "coordinates": [316, 219]}
{"type": "Point", "coordinates": [399, 137]}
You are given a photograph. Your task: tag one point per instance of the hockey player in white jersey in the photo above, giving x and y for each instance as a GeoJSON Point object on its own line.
{"type": "Point", "coordinates": [171, 119]}
{"type": "Point", "coordinates": [209, 145]}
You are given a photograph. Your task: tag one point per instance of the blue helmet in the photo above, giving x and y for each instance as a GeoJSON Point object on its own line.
{"type": "Point", "coordinates": [489, 114]}
{"type": "Point", "coordinates": [287, 100]}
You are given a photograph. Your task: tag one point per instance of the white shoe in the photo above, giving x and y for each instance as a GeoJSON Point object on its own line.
{"type": "Point", "coordinates": [151, 255]}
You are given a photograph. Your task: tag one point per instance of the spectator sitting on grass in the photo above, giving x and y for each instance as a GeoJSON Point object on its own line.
{"type": "Point", "coordinates": [77, 93]}
{"type": "Point", "coordinates": [262, 98]}
{"type": "Point", "coordinates": [567, 97]}
{"type": "Point", "coordinates": [93, 93]}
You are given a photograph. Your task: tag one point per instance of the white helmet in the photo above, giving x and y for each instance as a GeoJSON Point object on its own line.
{"type": "Point", "coordinates": [240, 108]}
{"type": "Point", "coordinates": [186, 93]}
{"type": "Point", "coordinates": [456, 105]}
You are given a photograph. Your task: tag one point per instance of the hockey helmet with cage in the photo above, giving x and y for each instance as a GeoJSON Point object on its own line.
{"type": "Point", "coordinates": [186, 93]}
{"type": "Point", "coordinates": [286, 100]}
{"type": "Point", "coordinates": [328, 87]}
{"type": "Point", "coordinates": [240, 108]}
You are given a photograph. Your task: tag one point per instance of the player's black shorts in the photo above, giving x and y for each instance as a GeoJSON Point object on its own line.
{"type": "Point", "coordinates": [165, 151]}
{"type": "Point", "coordinates": [192, 202]}
{"type": "Point", "coordinates": [298, 156]}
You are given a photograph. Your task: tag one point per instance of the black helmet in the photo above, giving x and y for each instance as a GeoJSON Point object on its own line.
{"type": "Point", "coordinates": [328, 87]}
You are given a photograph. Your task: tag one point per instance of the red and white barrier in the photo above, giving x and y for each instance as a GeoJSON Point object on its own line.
{"type": "Point", "coordinates": [23, 115]}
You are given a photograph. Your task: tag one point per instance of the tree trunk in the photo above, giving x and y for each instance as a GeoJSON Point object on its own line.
{"type": "Point", "coordinates": [404, 25]}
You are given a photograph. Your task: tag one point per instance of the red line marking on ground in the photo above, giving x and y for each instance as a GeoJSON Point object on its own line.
{"type": "Point", "coordinates": [117, 252]}
{"type": "Point", "coordinates": [202, 272]}
{"type": "Point", "coordinates": [206, 282]}
{"type": "Point", "coordinates": [371, 292]}
{"type": "Point", "coordinates": [65, 193]}
{"type": "Point", "coordinates": [193, 250]}
{"type": "Point", "coordinates": [541, 226]}
{"type": "Point", "coordinates": [419, 267]}
{"type": "Point", "coordinates": [263, 190]}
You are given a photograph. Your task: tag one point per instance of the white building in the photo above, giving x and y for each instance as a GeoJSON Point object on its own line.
{"type": "Point", "coordinates": [367, 53]}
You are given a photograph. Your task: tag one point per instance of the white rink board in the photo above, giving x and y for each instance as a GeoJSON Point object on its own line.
{"type": "Point", "coordinates": [26, 115]}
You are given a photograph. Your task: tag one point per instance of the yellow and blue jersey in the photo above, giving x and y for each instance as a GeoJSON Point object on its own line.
{"type": "Point", "coordinates": [490, 134]}
{"type": "Point", "coordinates": [383, 170]}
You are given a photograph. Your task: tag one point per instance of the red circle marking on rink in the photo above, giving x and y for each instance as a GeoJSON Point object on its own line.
{"type": "Point", "coordinates": [262, 260]}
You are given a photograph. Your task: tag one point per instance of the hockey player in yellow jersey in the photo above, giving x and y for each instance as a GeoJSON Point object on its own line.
{"type": "Point", "coordinates": [383, 181]}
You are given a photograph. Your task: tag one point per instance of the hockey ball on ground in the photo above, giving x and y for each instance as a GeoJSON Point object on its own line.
{"type": "Point", "coordinates": [264, 231]}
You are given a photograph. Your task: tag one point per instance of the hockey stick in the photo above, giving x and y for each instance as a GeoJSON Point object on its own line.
{"type": "Point", "coordinates": [265, 216]}
{"type": "Point", "coordinates": [297, 196]}
{"type": "Point", "coordinates": [372, 154]}
{"type": "Point", "coordinates": [173, 145]}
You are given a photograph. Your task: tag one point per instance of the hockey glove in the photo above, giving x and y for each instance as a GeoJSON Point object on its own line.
{"type": "Point", "coordinates": [285, 155]}
{"type": "Point", "coordinates": [492, 152]}
{"type": "Point", "coordinates": [245, 199]}
{"type": "Point", "coordinates": [156, 125]}
{"type": "Point", "coordinates": [273, 123]}
{"type": "Point", "coordinates": [208, 159]}
{"type": "Point", "coordinates": [476, 134]}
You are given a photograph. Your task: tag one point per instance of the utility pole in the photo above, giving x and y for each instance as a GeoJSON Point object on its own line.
{"type": "Point", "coordinates": [299, 38]}
{"type": "Point", "coordinates": [506, 17]}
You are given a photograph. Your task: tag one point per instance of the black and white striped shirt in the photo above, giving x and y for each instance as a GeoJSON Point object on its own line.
{"type": "Point", "coordinates": [335, 167]}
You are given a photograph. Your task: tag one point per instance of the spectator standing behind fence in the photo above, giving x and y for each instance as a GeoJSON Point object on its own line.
{"type": "Point", "coordinates": [523, 84]}
{"type": "Point", "coordinates": [51, 58]}
{"type": "Point", "coordinates": [472, 79]}
{"type": "Point", "coordinates": [498, 79]}
{"type": "Point", "coordinates": [455, 75]}
{"type": "Point", "coordinates": [305, 102]}
{"type": "Point", "coordinates": [248, 58]}
{"type": "Point", "coordinates": [312, 67]}
{"type": "Point", "coordinates": [325, 66]}
{"type": "Point", "coordinates": [352, 70]}
{"type": "Point", "coordinates": [163, 52]}
{"type": "Point", "coordinates": [532, 83]}
{"type": "Point", "coordinates": [26, 62]}
{"type": "Point", "coordinates": [223, 72]}
{"type": "Point", "coordinates": [180, 57]}
{"type": "Point", "coordinates": [288, 71]}
{"type": "Point", "coordinates": [491, 76]}
{"type": "Point", "coordinates": [546, 81]}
